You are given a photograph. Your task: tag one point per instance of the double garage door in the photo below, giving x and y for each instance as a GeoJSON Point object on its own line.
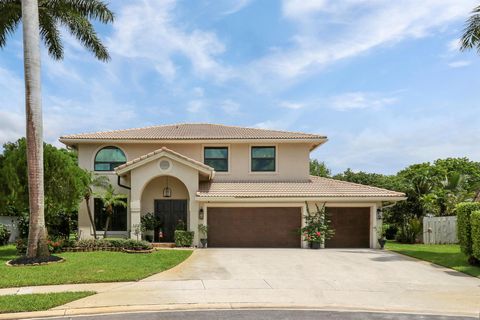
{"type": "Point", "coordinates": [278, 227]}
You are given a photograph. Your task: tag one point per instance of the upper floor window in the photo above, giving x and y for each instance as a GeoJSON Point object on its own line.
{"type": "Point", "coordinates": [108, 158]}
{"type": "Point", "coordinates": [216, 157]}
{"type": "Point", "coordinates": [263, 159]}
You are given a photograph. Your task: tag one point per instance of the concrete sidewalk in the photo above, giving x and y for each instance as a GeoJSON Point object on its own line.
{"type": "Point", "coordinates": [97, 287]}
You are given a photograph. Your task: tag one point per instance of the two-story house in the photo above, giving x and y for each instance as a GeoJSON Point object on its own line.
{"type": "Point", "coordinates": [250, 186]}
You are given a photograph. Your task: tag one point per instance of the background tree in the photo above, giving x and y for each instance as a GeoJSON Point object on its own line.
{"type": "Point", "coordinates": [319, 169]}
{"type": "Point", "coordinates": [110, 200]}
{"type": "Point", "coordinates": [43, 18]}
{"type": "Point", "coordinates": [471, 34]}
{"type": "Point", "coordinates": [64, 183]}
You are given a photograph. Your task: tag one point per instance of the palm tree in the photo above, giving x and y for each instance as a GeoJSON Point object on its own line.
{"type": "Point", "coordinates": [42, 18]}
{"type": "Point", "coordinates": [471, 34]}
{"type": "Point", "coordinates": [93, 181]}
{"type": "Point", "coordinates": [111, 200]}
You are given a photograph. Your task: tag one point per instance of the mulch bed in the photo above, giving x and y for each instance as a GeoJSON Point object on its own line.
{"type": "Point", "coordinates": [25, 261]}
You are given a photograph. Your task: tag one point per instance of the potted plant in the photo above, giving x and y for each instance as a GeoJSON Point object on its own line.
{"type": "Point", "coordinates": [317, 227]}
{"type": "Point", "coordinates": [382, 239]}
{"type": "Point", "coordinates": [203, 230]}
{"type": "Point", "coordinates": [148, 223]}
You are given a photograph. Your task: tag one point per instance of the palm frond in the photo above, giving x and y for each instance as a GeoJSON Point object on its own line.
{"type": "Point", "coordinates": [92, 9]}
{"type": "Point", "coordinates": [10, 16]}
{"type": "Point", "coordinates": [471, 33]}
{"type": "Point", "coordinates": [83, 30]}
{"type": "Point", "coordinates": [51, 35]}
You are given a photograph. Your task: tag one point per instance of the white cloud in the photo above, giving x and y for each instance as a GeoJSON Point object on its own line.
{"type": "Point", "coordinates": [230, 107]}
{"type": "Point", "coordinates": [459, 63]}
{"type": "Point", "coordinates": [147, 30]}
{"type": "Point", "coordinates": [235, 6]}
{"type": "Point", "coordinates": [291, 105]}
{"type": "Point", "coordinates": [360, 100]}
{"type": "Point", "coordinates": [454, 45]}
{"type": "Point", "coordinates": [359, 25]}
{"type": "Point", "coordinates": [195, 106]}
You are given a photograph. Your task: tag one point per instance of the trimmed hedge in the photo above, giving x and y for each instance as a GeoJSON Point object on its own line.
{"type": "Point", "coordinates": [464, 210]}
{"type": "Point", "coordinates": [184, 238]}
{"type": "Point", "coordinates": [475, 232]}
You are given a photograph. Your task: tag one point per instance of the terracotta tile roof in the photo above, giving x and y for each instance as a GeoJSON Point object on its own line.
{"type": "Point", "coordinates": [314, 187]}
{"type": "Point", "coordinates": [191, 131]}
{"type": "Point", "coordinates": [162, 150]}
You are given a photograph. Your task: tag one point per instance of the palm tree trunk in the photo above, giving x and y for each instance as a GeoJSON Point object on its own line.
{"type": "Point", "coordinates": [37, 235]}
{"type": "Point", "coordinates": [87, 201]}
{"type": "Point", "coordinates": [107, 224]}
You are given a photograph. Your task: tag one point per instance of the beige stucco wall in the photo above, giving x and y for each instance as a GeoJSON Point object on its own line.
{"type": "Point", "coordinates": [292, 158]}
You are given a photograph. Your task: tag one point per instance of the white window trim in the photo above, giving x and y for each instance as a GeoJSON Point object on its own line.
{"type": "Point", "coordinates": [218, 146]}
{"type": "Point", "coordinates": [250, 158]}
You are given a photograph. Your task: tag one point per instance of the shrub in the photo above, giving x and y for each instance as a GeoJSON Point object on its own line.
{"type": "Point", "coordinates": [129, 244]}
{"type": "Point", "coordinates": [391, 231]}
{"type": "Point", "coordinates": [475, 233]}
{"type": "Point", "coordinates": [55, 246]}
{"type": "Point", "coordinates": [409, 230]}
{"type": "Point", "coordinates": [464, 211]}
{"type": "Point", "coordinates": [21, 246]}
{"type": "Point", "coordinates": [132, 244]}
{"type": "Point", "coordinates": [4, 234]}
{"type": "Point", "coordinates": [184, 238]}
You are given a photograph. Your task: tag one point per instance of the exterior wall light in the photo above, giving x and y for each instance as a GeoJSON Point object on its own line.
{"type": "Point", "coordinates": [379, 214]}
{"type": "Point", "coordinates": [200, 214]}
{"type": "Point", "coordinates": [167, 191]}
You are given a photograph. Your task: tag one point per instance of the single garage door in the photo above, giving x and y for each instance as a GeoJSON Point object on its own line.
{"type": "Point", "coordinates": [352, 227]}
{"type": "Point", "coordinates": [254, 227]}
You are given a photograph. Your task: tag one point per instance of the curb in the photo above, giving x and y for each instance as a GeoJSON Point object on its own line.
{"type": "Point", "coordinates": [57, 313]}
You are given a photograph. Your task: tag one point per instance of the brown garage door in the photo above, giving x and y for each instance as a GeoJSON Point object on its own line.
{"type": "Point", "coordinates": [352, 228]}
{"type": "Point", "coordinates": [254, 227]}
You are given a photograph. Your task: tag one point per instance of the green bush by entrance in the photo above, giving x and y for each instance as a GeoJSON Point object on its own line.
{"type": "Point", "coordinates": [184, 238]}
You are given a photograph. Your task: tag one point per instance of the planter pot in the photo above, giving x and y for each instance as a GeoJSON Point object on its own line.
{"type": "Point", "coordinates": [315, 245]}
{"type": "Point", "coordinates": [382, 242]}
{"type": "Point", "coordinates": [203, 242]}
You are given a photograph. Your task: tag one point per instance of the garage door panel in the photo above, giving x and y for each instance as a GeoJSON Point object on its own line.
{"type": "Point", "coordinates": [254, 227]}
{"type": "Point", "coordinates": [352, 227]}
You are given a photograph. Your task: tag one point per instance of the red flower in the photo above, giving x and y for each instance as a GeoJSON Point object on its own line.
{"type": "Point", "coordinates": [318, 233]}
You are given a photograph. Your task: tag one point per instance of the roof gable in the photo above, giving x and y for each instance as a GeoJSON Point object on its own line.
{"type": "Point", "coordinates": [167, 153]}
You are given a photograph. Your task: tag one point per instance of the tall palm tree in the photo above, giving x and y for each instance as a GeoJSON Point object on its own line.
{"type": "Point", "coordinates": [93, 181]}
{"type": "Point", "coordinates": [110, 200]}
{"type": "Point", "coordinates": [42, 18]}
{"type": "Point", "coordinates": [471, 35]}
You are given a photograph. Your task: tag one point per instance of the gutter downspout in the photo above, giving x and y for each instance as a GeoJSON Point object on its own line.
{"type": "Point", "coordinates": [122, 185]}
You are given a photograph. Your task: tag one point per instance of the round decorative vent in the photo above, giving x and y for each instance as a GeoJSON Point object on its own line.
{"type": "Point", "coordinates": [164, 164]}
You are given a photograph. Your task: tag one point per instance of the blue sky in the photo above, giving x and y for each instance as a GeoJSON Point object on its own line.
{"type": "Point", "coordinates": [384, 80]}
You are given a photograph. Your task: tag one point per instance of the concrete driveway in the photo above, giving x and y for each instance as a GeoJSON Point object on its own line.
{"type": "Point", "coordinates": [295, 278]}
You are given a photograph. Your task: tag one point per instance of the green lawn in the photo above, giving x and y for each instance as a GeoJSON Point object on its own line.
{"type": "Point", "coordinates": [447, 255]}
{"type": "Point", "coordinates": [88, 267]}
{"type": "Point", "coordinates": [38, 301]}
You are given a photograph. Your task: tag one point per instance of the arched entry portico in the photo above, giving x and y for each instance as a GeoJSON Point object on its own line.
{"type": "Point", "coordinates": [169, 208]}
{"type": "Point", "coordinates": [148, 176]}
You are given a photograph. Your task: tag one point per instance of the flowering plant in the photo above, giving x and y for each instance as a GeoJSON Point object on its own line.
{"type": "Point", "coordinates": [317, 225]}
{"type": "Point", "coordinates": [55, 246]}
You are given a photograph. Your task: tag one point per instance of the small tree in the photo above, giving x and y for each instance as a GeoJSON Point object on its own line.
{"type": "Point", "coordinates": [111, 200]}
{"type": "Point", "coordinates": [317, 225]}
{"type": "Point", "coordinates": [92, 181]}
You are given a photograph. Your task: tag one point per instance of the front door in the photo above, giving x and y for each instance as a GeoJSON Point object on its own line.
{"type": "Point", "coordinates": [170, 213]}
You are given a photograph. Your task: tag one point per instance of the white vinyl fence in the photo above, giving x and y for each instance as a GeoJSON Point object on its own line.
{"type": "Point", "coordinates": [11, 223]}
{"type": "Point", "coordinates": [440, 230]}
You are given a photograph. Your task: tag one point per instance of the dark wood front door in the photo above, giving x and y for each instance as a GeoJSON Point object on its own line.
{"type": "Point", "coordinates": [254, 227]}
{"type": "Point", "coordinates": [352, 227]}
{"type": "Point", "coordinates": [169, 212]}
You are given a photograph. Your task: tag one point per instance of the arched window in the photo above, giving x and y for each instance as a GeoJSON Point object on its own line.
{"type": "Point", "coordinates": [108, 158]}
